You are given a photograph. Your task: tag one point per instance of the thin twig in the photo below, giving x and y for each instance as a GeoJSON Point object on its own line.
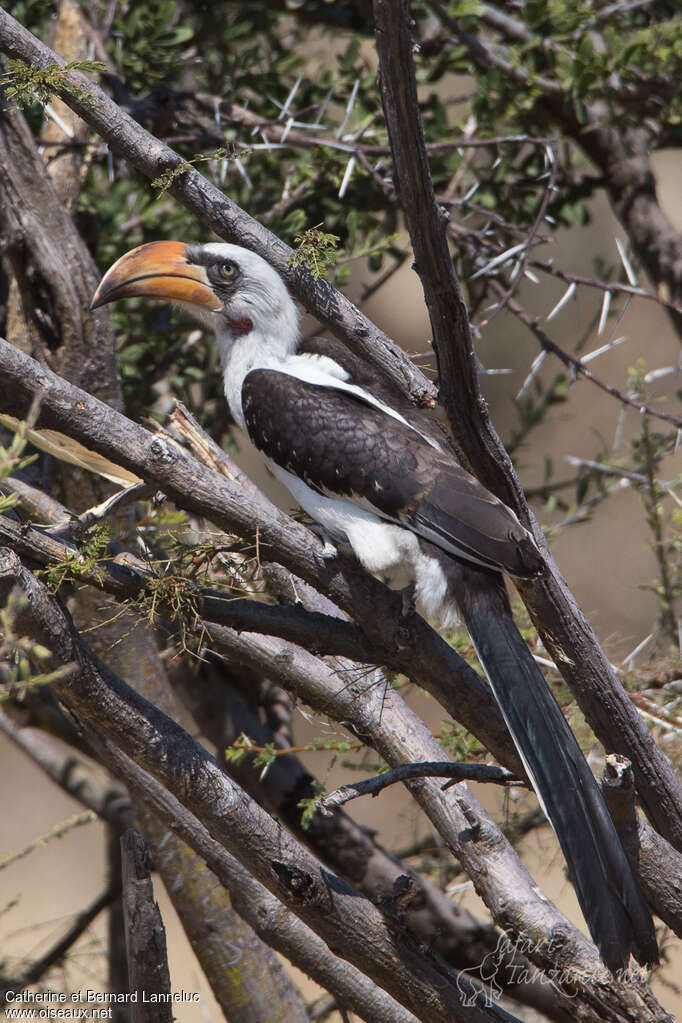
{"type": "Point", "coordinates": [577, 367]}
{"type": "Point", "coordinates": [445, 769]}
{"type": "Point", "coordinates": [56, 954]}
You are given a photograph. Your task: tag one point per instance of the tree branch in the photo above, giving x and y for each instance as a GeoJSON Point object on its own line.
{"type": "Point", "coordinates": [216, 210]}
{"type": "Point", "coordinates": [145, 934]}
{"type": "Point", "coordinates": [275, 925]}
{"type": "Point", "coordinates": [352, 851]}
{"type": "Point", "coordinates": [335, 910]}
{"type": "Point", "coordinates": [410, 646]}
{"type": "Point", "coordinates": [659, 865]}
{"type": "Point", "coordinates": [560, 623]}
{"type": "Point", "coordinates": [455, 772]}
{"type": "Point", "coordinates": [379, 716]}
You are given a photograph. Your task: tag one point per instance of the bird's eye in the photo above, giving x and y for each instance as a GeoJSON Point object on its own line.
{"type": "Point", "coordinates": [227, 270]}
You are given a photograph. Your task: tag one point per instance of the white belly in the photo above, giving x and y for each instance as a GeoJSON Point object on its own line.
{"type": "Point", "coordinates": [381, 547]}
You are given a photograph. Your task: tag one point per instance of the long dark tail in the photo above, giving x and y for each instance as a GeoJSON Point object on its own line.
{"type": "Point", "coordinates": [608, 891]}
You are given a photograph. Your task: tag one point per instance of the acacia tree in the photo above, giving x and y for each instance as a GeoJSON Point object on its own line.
{"type": "Point", "coordinates": [565, 101]}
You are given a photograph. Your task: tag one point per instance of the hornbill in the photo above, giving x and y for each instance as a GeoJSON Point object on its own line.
{"type": "Point", "coordinates": [373, 475]}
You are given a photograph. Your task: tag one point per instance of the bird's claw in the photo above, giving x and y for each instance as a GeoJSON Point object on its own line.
{"type": "Point", "coordinates": [328, 551]}
{"type": "Point", "coordinates": [407, 602]}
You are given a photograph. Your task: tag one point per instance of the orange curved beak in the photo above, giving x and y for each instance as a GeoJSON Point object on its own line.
{"type": "Point", "coordinates": [157, 270]}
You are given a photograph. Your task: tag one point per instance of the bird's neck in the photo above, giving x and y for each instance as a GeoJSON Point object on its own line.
{"type": "Point", "coordinates": [253, 349]}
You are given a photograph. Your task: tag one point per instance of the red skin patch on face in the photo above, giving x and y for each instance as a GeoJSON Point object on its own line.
{"type": "Point", "coordinates": [240, 325]}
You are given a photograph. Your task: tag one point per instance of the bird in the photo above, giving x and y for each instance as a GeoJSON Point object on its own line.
{"type": "Point", "coordinates": [374, 475]}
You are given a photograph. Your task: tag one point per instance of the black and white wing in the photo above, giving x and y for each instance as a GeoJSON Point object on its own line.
{"type": "Point", "coordinates": [342, 445]}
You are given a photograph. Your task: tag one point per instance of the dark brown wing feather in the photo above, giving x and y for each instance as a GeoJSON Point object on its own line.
{"type": "Point", "coordinates": [339, 444]}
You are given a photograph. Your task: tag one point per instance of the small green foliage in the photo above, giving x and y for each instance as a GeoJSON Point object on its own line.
{"type": "Point", "coordinates": [22, 659]}
{"type": "Point", "coordinates": [237, 753]}
{"type": "Point", "coordinates": [11, 461]}
{"type": "Point", "coordinates": [83, 563]}
{"type": "Point", "coordinates": [28, 85]}
{"type": "Point", "coordinates": [165, 180]}
{"type": "Point", "coordinates": [315, 251]}
{"type": "Point", "coordinates": [243, 747]}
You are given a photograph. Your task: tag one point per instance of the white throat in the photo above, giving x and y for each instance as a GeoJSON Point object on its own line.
{"type": "Point", "coordinates": [257, 349]}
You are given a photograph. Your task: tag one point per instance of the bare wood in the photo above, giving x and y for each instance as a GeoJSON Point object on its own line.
{"type": "Point", "coordinates": [148, 972]}
{"type": "Point", "coordinates": [151, 157]}
{"type": "Point", "coordinates": [274, 923]}
{"type": "Point", "coordinates": [249, 983]}
{"type": "Point", "coordinates": [128, 579]}
{"type": "Point", "coordinates": [341, 843]}
{"type": "Point", "coordinates": [337, 912]}
{"type": "Point", "coordinates": [562, 626]}
{"type": "Point", "coordinates": [448, 929]}
{"type": "Point", "coordinates": [376, 712]}
{"type": "Point", "coordinates": [406, 772]}
{"type": "Point", "coordinates": [409, 645]}
{"type": "Point", "coordinates": [658, 865]}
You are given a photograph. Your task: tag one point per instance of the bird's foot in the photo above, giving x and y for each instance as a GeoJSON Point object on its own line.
{"type": "Point", "coordinates": [407, 602]}
{"type": "Point", "coordinates": [328, 551]}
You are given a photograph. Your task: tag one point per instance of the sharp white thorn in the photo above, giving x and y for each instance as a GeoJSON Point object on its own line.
{"type": "Point", "coordinates": [627, 265]}
{"type": "Point", "coordinates": [566, 297]}
{"type": "Point", "coordinates": [606, 303]}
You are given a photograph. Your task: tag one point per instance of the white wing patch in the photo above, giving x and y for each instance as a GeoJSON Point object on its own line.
{"type": "Point", "coordinates": [324, 372]}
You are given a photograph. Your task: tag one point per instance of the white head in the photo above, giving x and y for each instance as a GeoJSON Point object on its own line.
{"type": "Point", "coordinates": [226, 287]}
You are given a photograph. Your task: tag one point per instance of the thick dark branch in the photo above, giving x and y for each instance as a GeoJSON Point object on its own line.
{"type": "Point", "coordinates": [564, 630]}
{"type": "Point", "coordinates": [407, 646]}
{"type": "Point", "coordinates": [250, 989]}
{"type": "Point", "coordinates": [129, 580]}
{"type": "Point", "coordinates": [440, 769]}
{"type": "Point", "coordinates": [426, 221]}
{"type": "Point", "coordinates": [376, 712]}
{"type": "Point", "coordinates": [215, 209]}
{"type": "Point", "coordinates": [378, 715]}
{"type": "Point", "coordinates": [145, 934]}
{"type": "Point", "coordinates": [659, 865]}
{"type": "Point", "coordinates": [353, 851]}
{"type": "Point", "coordinates": [276, 925]}
{"type": "Point", "coordinates": [451, 931]}
{"type": "Point", "coordinates": [108, 707]}
{"type": "Point", "coordinates": [335, 910]}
